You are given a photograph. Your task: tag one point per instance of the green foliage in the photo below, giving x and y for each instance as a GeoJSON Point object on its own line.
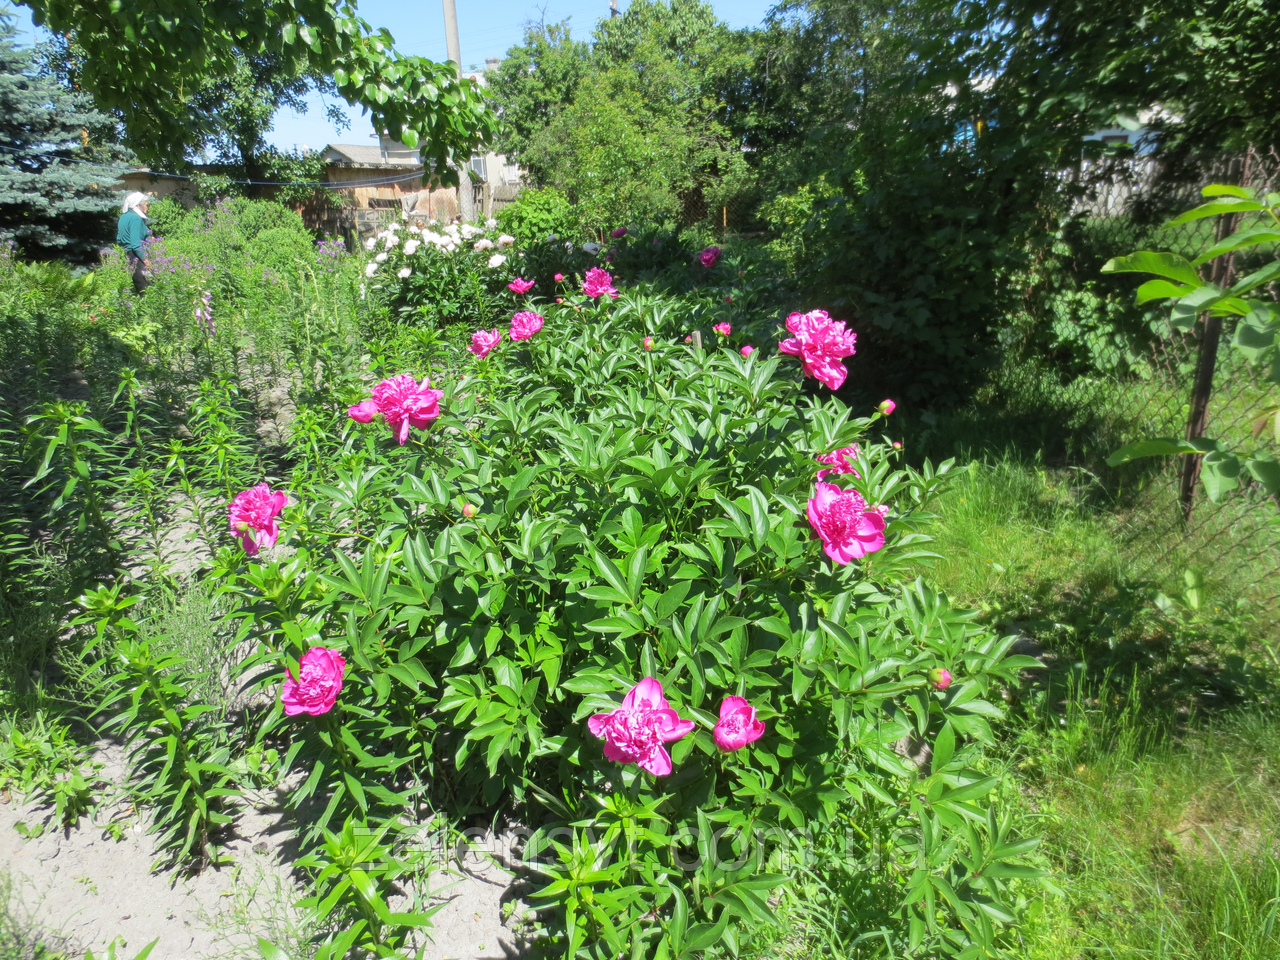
{"type": "Point", "coordinates": [638, 513]}
{"type": "Point", "coordinates": [1161, 848]}
{"type": "Point", "coordinates": [1203, 73]}
{"type": "Point", "coordinates": [173, 54]}
{"type": "Point", "coordinates": [166, 216]}
{"type": "Point", "coordinates": [538, 214]}
{"type": "Point", "coordinates": [1258, 323]}
{"type": "Point", "coordinates": [178, 752]}
{"type": "Point", "coordinates": [42, 762]}
{"type": "Point", "coordinates": [631, 128]}
{"type": "Point", "coordinates": [54, 202]}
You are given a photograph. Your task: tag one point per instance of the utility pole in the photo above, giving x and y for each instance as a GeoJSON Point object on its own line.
{"type": "Point", "coordinates": [466, 199]}
{"type": "Point", "coordinates": [613, 9]}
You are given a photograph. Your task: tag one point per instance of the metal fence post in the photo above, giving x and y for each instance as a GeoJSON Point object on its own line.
{"type": "Point", "coordinates": [1222, 273]}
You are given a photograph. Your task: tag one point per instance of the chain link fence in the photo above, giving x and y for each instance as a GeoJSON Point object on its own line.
{"type": "Point", "coordinates": [1123, 373]}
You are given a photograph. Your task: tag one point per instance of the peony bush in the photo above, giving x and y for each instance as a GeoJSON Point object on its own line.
{"type": "Point", "coordinates": [643, 603]}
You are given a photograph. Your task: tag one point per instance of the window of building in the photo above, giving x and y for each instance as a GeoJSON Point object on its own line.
{"type": "Point", "coordinates": [479, 166]}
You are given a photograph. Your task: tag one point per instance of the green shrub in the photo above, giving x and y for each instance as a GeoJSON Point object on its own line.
{"type": "Point", "coordinates": [280, 248]}
{"type": "Point", "coordinates": [166, 217]}
{"type": "Point", "coordinates": [637, 514]}
{"type": "Point", "coordinates": [538, 214]}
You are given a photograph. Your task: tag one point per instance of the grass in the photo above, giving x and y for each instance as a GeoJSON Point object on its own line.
{"type": "Point", "coordinates": [1148, 750]}
{"type": "Point", "coordinates": [1162, 837]}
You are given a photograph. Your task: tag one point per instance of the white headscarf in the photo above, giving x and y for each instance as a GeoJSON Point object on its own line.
{"type": "Point", "coordinates": [132, 201]}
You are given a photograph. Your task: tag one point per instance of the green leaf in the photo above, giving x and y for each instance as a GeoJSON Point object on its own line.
{"type": "Point", "coordinates": [1160, 447]}
{"type": "Point", "coordinates": [944, 747]}
{"type": "Point", "coordinates": [1220, 472]}
{"type": "Point", "coordinates": [1161, 290]}
{"type": "Point", "coordinates": [1167, 265]}
{"type": "Point", "coordinates": [1217, 206]}
{"type": "Point", "coordinates": [970, 791]}
{"type": "Point", "coordinates": [1226, 190]}
{"type": "Point", "coordinates": [1266, 471]}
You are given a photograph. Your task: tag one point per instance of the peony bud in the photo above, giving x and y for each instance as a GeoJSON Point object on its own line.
{"type": "Point", "coordinates": [887, 407]}
{"type": "Point", "coordinates": [648, 343]}
{"type": "Point", "coordinates": [559, 278]}
{"type": "Point", "coordinates": [468, 510]}
{"type": "Point", "coordinates": [748, 350]}
{"type": "Point", "coordinates": [940, 678]}
{"type": "Point", "coordinates": [897, 444]}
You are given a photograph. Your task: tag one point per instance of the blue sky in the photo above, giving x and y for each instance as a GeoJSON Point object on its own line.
{"type": "Point", "coordinates": [485, 29]}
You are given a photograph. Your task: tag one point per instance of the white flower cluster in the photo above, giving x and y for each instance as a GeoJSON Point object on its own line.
{"type": "Point", "coordinates": [441, 239]}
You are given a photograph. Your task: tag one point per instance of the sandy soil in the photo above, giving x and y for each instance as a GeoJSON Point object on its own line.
{"type": "Point", "coordinates": [92, 889]}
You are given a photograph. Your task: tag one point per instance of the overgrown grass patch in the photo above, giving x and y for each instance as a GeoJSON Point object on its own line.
{"type": "Point", "coordinates": [1162, 836]}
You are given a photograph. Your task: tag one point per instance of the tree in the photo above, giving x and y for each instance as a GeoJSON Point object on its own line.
{"type": "Point", "coordinates": [57, 194]}
{"type": "Point", "coordinates": [631, 126]}
{"type": "Point", "coordinates": [147, 63]}
{"type": "Point", "coordinates": [1208, 66]}
{"type": "Point", "coordinates": [535, 82]}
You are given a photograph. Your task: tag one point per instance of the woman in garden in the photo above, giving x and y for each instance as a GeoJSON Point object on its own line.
{"type": "Point", "coordinates": [131, 233]}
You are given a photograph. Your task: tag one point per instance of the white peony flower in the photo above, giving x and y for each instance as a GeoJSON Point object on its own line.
{"type": "Point", "coordinates": [490, 223]}
{"type": "Point", "coordinates": [403, 272]}
{"type": "Point", "coordinates": [483, 244]}
{"type": "Point", "coordinates": [506, 241]}
{"type": "Point", "coordinates": [411, 247]}
{"type": "Point", "coordinates": [591, 248]}
{"type": "Point", "coordinates": [391, 241]}
{"type": "Point", "coordinates": [552, 238]}
{"type": "Point", "coordinates": [382, 257]}
{"type": "Point", "coordinates": [371, 243]}
{"type": "Point", "coordinates": [496, 261]}
{"type": "Point", "coordinates": [370, 269]}
{"type": "Point", "coordinates": [469, 231]}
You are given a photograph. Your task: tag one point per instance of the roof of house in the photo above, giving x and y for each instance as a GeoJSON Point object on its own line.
{"type": "Point", "coordinates": [371, 155]}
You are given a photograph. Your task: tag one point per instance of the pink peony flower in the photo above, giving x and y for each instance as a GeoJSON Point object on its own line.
{"type": "Point", "coordinates": [519, 285]}
{"type": "Point", "coordinates": [559, 278]}
{"type": "Point", "coordinates": [838, 461]}
{"type": "Point", "coordinates": [636, 731]}
{"type": "Point", "coordinates": [525, 324]}
{"type": "Point", "coordinates": [887, 407]}
{"type": "Point", "coordinates": [748, 350]}
{"type": "Point", "coordinates": [483, 342]}
{"type": "Point", "coordinates": [468, 510]}
{"type": "Point", "coordinates": [724, 329]}
{"type": "Point", "coordinates": [619, 232]}
{"type": "Point", "coordinates": [847, 528]}
{"type": "Point", "coordinates": [738, 725]}
{"type": "Point", "coordinates": [647, 343]}
{"type": "Point", "coordinates": [728, 298]}
{"type": "Point", "coordinates": [318, 684]}
{"type": "Point", "coordinates": [709, 257]}
{"type": "Point", "coordinates": [597, 283]}
{"type": "Point", "coordinates": [940, 678]}
{"type": "Point", "coordinates": [253, 515]}
{"type": "Point", "coordinates": [403, 403]}
{"type": "Point", "coordinates": [820, 343]}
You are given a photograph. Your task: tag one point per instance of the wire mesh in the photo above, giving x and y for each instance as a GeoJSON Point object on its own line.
{"type": "Point", "coordinates": [1088, 348]}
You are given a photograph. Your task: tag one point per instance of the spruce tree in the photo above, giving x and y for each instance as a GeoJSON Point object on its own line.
{"type": "Point", "coordinates": [58, 193]}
